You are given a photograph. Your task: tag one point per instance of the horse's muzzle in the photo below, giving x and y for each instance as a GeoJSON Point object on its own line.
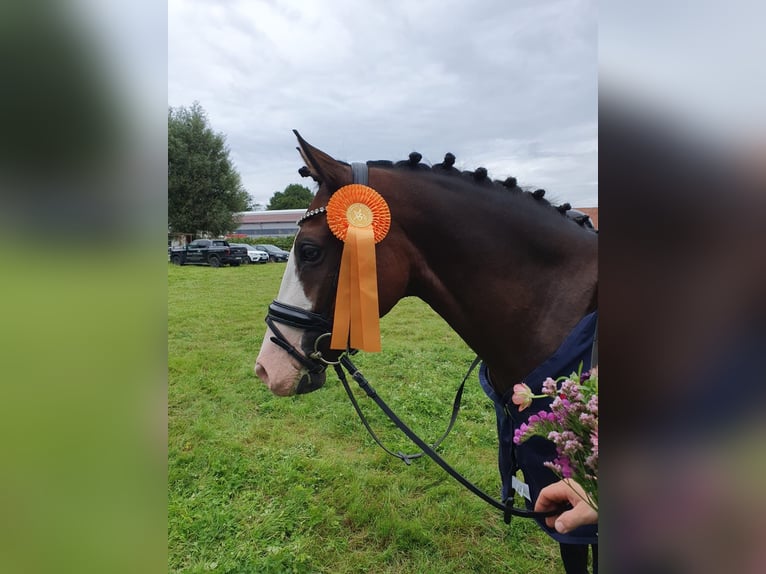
{"type": "Point", "coordinates": [310, 382]}
{"type": "Point", "coordinates": [311, 323]}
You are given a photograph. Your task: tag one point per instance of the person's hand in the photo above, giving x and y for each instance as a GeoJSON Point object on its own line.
{"type": "Point", "coordinates": [558, 493]}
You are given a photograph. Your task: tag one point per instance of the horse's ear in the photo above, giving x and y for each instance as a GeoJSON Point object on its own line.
{"type": "Point", "coordinates": [322, 167]}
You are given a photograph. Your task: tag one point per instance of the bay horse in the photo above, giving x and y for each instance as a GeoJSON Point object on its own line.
{"type": "Point", "coordinates": [521, 278]}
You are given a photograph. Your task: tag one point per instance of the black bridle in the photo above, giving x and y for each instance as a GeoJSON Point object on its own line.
{"type": "Point", "coordinates": [300, 319]}
{"type": "Point", "coordinates": [316, 364]}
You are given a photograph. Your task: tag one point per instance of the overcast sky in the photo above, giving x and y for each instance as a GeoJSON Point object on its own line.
{"type": "Point", "coordinates": [510, 85]}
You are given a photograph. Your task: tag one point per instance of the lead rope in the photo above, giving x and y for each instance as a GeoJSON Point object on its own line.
{"type": "Point", "coordinates": [508, 509]}
{"type": "Point", "coordinates": [407, 458]}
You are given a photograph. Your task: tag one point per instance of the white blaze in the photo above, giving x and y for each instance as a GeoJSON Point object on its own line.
{"type": "Point", "coordinates": [274, 366]}
{"type": "Point", "coordinates": [291, 290]}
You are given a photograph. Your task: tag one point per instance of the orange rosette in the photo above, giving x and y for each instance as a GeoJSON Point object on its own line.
{"type": "Point", "coordinates": [347, 205]}
{"type": "Point", "coordinates": [358, 216]}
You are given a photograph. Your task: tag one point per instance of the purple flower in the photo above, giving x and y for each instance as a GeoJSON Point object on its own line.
{"type": "Point", "coordinates": [566, 467]}
{"type": "Point", "coordinates": [592, 461]}
{"type": "Point", "coordinates": [518, 434]}
{"type": "Point", "coordinates": [570, 423]}
{"type": "Point", "coordinates": [571, 447]}
{"type": "Point", "coordinates": [569, 387]}
{"type": "Point", "coordinates": [547, 416]}
{"type": "Point", "coordinates": [587, 419]}
{"type": "Point", "coordinates": [560, 466]}
{"type": "Point", "coordinates": [549, 387]}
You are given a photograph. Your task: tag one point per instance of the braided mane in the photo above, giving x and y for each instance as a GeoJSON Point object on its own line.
{"type": "Point", "coordinates": [479, 176]}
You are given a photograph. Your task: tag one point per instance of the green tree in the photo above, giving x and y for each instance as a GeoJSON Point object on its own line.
{"type": "Point", "coordinates": [204, 189]}
{"type": "Point", "coordinates": [293, 197]}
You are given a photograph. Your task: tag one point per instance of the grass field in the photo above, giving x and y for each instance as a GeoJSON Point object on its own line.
{"type": "Point", "coordinates": [262, 484]}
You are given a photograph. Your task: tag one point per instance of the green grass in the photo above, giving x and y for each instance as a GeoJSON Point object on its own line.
{"type": "Point", "coordinates": [262, 484]}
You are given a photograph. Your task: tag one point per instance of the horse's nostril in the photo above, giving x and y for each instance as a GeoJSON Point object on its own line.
{"type": "Point", "coordinates": [261, 373]}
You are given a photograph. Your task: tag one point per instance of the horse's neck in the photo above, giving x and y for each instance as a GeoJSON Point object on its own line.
{"type": "Point", "coordinates": [512, 283]}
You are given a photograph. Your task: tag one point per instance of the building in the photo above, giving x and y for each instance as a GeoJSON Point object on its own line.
{"type": "Point", "coordinates": [591, 212]}
{"type": "Point", "coordinates": [283, 221]}
{"type": "Point", "coordinates": [269, 223]}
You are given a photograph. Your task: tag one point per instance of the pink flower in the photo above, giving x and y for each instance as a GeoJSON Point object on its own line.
{"type": "Point", "coordinates": [561, 466]}
{"type": "Point", "coordinates": [570, 422]}
{"type": "Point", "coordinates": [518, 434]}
{"type": "Point", "coordinates": [548, 417]}
{"type": "Point", "coordinates": [522, 396]}
{"type": "Point", "coordinates": [549, 387]}
{"type": "Point", "coordinates": [566, 467]}
{"type": "Point", "coordinates": [588, 419]}
{"type": "Point", "coordinates": [593, 404]}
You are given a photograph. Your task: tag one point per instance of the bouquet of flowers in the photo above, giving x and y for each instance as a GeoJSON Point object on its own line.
{"type": "Point", "coordinates": [571, 424]}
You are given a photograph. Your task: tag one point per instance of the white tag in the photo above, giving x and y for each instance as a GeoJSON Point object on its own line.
{"type": "Point", "coordinates": [521, 487]}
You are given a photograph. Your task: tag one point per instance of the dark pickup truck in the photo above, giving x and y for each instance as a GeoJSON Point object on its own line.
{"type": "Point", "coordinates": [214, 252]}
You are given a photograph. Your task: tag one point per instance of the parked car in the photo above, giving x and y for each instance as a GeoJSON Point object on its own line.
{"type": "Point", "coordinates": [256, 255]}
{"type": "Point", "coordinates": [213, 252]}
{"type": "Point", "coordinates": [275, 253]}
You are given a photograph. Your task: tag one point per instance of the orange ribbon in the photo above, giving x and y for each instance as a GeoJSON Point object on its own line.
{"type": "Point", "coordinates": [359, 216]}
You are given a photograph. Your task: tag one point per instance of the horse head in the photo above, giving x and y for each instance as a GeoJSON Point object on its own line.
{"type": "Point", "coordinates": [296, 348]}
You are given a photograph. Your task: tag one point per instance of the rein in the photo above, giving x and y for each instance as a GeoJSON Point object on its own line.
{"type": "Point", "coordinates": [316, 363]}
{"type": "Point", "coordinates": [506, 508]}
{"type": "Point", "coordinates": [406, 458]}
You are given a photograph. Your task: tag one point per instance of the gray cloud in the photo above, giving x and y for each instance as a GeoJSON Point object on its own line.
{"type": "Point", "coordinates": [511, 86]}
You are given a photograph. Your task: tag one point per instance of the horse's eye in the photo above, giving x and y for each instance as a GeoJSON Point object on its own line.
{"type": "Point", "coordinates": [310, 253]}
